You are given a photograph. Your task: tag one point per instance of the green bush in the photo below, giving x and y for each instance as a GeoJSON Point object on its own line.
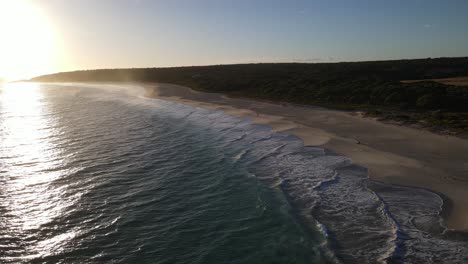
{"type": "Point", "coordinates": [375, 83]}
{"type": "Point", "coordinates": [428, 101]}
{"type": "Point", "coordinates": [394, 98]}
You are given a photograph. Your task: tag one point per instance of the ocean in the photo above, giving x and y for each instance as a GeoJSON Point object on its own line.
{"type": "Point", "coordinates": [102, 174]}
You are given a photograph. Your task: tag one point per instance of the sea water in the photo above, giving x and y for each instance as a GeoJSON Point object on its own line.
{"type": "Point", "coordinates": [101, 174]}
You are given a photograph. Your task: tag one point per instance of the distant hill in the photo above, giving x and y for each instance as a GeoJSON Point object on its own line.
{"type": "Point", "coordinates": [372, 83]}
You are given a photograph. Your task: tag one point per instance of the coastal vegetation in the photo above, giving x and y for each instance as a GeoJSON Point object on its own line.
{"type": "Point", "coordinates": [377, 88]}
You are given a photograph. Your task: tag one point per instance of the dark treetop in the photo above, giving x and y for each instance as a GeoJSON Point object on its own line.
{"type": "Point", "coordinates": [373, 86]}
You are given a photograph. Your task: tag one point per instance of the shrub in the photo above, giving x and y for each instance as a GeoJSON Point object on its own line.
{"type": "Point", "coordinates": [428, 101]}
{"type": "Point", "coordinates": [393, 98]}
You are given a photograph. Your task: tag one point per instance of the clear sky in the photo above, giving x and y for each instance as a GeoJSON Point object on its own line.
{"type": "Point", "coordinates": [141, 33]}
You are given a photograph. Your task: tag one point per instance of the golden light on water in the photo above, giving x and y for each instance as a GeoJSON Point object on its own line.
{"type": "Point", "coordinates": [27, 40]}
{"type": "Point", "coordinates": [28, 150]}
{"type": "Point", "coordinates": [31, 158]}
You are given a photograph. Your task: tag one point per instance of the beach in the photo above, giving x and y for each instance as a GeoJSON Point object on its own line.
{"type": "Point", "coordinates": [392, 154]}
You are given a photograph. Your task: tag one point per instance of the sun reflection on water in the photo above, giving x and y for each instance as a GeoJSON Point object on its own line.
{"type": "Point", "coordinates": [27, 130]}
{"type": "Point", "coordinates": [30, 162]}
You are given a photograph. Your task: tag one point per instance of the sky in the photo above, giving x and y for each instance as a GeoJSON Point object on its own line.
{"type": "Point", "coordinates": [90, 34]}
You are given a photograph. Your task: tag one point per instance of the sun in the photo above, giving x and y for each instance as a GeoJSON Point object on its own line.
{"type": "Point", "coordinates": [27, 40]}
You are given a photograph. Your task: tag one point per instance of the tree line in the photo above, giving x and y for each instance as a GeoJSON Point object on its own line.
{"type": "Point", "coordinates": [372, 83]}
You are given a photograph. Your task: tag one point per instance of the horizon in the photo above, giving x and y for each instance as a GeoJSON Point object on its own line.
{"type": "Point", "coordinates": [233, 64]}
{"type": "Point", "coordinates": [57, 36]}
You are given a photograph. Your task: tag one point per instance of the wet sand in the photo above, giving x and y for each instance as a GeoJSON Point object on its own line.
{"type": "Point", "coordinates": [393, 154]}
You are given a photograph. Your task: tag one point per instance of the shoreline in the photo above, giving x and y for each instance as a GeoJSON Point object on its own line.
{"type": "Point", "coordinates": [393, 154]}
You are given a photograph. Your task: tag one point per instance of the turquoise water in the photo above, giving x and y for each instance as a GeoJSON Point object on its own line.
{"type": "Point", "coordinates": [92, 176]}
{"type": "Point", "coordinates": [100, 174]}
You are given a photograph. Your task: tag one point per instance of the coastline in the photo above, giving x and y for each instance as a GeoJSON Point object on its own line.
{"type": "Point", "coordinates": [393, 154]}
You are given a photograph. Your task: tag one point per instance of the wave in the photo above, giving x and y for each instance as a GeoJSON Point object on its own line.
{"type": "Point", "coordinates": [357, 220]}
{"type": "Point", "coordinates": [365, 221]}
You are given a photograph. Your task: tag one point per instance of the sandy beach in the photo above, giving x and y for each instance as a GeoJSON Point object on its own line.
{"type": "Point", "coordinates": [393, 154]}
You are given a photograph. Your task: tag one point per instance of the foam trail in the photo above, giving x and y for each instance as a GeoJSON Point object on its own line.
{"type": "Point", "coordinates": [366, 222]}
{"type": "Point", "coordinates": [362, 221]}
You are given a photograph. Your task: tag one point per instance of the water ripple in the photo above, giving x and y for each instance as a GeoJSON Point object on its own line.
{"type": "Point", "coordinates": [90, 174]}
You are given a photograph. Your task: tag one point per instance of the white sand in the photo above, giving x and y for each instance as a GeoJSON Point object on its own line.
{"type": "Point", "coordinates": [393, 154]}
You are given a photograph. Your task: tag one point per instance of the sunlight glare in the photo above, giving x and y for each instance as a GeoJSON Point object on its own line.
{"type": "Point", "coordinates": [27, 40]}
{"type": "Point", "coordinates": [27, 143]}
